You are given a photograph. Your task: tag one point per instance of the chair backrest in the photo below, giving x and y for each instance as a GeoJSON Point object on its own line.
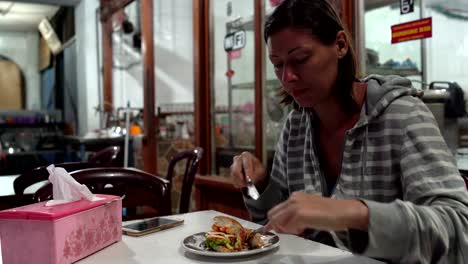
{"type": "Point", "coordinates": [464, 174]}
{"type": "Point", "coordinates": [108, 157]}
{"type": "Point", "coordinates": [143, 191]}
{"type": "Point", "coordinates": [104, 158]}
{"type": "Point", "coordinates": [192, 157]}
{"type": "Point", "coordinates": [41, 174]}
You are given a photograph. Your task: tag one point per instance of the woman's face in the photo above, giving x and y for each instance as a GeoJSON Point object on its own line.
{"type": "Point", "coordinates": [306, 68]}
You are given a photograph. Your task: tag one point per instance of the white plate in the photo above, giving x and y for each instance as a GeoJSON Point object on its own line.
{"type": "Point", "coordinates": [196, 245]}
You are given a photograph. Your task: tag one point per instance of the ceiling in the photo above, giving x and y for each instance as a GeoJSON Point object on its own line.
{"type": "Point", "coordinates": [16, 16]}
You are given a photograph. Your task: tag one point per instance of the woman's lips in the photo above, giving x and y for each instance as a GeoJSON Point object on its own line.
{"type": "Point", "coordinates": [297, 91]}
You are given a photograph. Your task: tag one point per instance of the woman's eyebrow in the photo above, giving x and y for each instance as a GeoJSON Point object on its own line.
{"type": "Point", "coordinates": [289, 52]}
{"type": "Point", "coordinates": [294, 49]}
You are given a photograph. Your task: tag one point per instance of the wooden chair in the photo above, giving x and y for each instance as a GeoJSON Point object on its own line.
{"type": "Point", "coordinates": [108, 157]}
{"type": "Point", "coordinates": [41, 174]}
{"type": "Point", "coordinates": [105, 158]}
{"type": "Point", "coordinates": [146, 195]}
{"type": "Point", "coordinates": [192, 158]}
{"type": "Point", "coordinates": [464, 174]}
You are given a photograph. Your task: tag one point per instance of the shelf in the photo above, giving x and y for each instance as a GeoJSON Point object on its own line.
{"type": "Point", "coordinates": [243, 86]}
{"type": "Point", "coordinates": [36, 125]}
{"type": "Point", "coordinates": [250, 85]}
{"type": "Point", "coordinates": [392, 71]}
{"type": "Point", "coordinates": [37, 152]}
{"type": "Point", "coordinates": [164, 114]}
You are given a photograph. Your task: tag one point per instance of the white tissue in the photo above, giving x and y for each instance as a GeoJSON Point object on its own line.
{"type": "Point", "coordinates": [65, 189]}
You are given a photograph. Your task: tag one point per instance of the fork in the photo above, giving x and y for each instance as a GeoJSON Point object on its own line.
{"type": "Point", "coordinates": [251, 189]}
{"type": "Point", "coordinates": [259, 230]}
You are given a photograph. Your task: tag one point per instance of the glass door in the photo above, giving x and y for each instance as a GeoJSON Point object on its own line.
{"type": "Point", "coordinates": [174, 82]}
{"type": "Point", "coordinates": [233, 74]}
{"type": "Point", "coordinates": [274, 113]}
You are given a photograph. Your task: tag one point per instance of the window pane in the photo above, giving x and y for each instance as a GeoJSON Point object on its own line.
{"type": "Point", "coordinates": [173, 62]}
{"type": "Point", "coordinates": [233, 82]}
{"type": "Point", "coordinates": [383, 57]}
{"type": "Point", "coordinates": [447, 50]}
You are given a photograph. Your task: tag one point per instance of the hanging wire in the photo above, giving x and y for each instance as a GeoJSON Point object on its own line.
{"type": "Point", "coordinates": [121, 71]}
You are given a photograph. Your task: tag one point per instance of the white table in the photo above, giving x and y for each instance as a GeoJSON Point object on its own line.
{"type": "Point", "coordinates": [165, 247]}
{"type": "Point", "coordinates": [6, 185]}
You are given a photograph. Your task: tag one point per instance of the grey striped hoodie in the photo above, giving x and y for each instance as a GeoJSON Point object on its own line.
{"type": "Point", "coordinates": [395, 161]}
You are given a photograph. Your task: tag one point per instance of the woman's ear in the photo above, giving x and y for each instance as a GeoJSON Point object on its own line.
{"type": "Point", "coordinates": [341, 43]}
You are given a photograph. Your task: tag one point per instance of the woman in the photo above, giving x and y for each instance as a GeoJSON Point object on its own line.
{"type": "Point", "coordinates": [363, 160]}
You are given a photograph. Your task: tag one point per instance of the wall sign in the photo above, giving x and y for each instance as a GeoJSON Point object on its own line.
{"type": "Point", "coordinates": [235, 40]}
{"type": "Point", "coordinates": [274, 3]}
{"type": "Point", "coordinates": [417, 29]}
{"type": "Point", "coordinates": [234, 54]}
{"type": "Point", "coordinates": [406, 6]}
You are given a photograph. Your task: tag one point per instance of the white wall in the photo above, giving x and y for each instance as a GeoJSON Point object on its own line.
{"type": "Point", "coordinates": [87, 72]}
{"type": "Point", "coordinates": [23, 48]}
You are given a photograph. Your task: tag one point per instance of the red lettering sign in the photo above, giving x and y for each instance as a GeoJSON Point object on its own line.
{"type": "Point", "coordinates": [234, 54]}
{"type": "Point", "coordinates": [274, 3]}
{"type": "Point", "coordinates": [417, 29]}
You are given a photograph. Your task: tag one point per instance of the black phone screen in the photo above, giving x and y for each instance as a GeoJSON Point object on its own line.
{"type": "Point", "coordinates": [150, 223]}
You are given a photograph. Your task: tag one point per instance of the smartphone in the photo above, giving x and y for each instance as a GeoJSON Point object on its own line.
{"type": "Point", "coordinates": [150, 225]}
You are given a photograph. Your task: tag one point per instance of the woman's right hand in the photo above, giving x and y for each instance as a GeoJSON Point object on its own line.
{"type": "Point", "coordinates": [252, 167]}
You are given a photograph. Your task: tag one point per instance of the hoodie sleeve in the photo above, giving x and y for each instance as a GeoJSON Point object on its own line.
{"type": "Point", "coordinates": [430, 223]}
{"type": "Point", "coordinates": [277, 188]}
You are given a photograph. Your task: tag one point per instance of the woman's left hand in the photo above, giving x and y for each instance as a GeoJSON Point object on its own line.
{"type": "Point", "coordinates": [302, 211]}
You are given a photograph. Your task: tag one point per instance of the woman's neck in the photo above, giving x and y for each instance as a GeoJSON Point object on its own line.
{"type": "Point", "coordinates": [332, 115]}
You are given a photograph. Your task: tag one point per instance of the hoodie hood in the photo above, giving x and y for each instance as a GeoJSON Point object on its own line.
{"type": "Point", "coordinates": [382, 90]}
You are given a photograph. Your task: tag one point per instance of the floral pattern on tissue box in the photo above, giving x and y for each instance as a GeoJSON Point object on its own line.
{"type": "Point", "coordinates": [91, 234]}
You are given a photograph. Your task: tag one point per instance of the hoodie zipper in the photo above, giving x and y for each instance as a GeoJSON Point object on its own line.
{"type": "Point", "coordinates": [323, 183]}
{"type": "Point", "coordinates": [343, 147]}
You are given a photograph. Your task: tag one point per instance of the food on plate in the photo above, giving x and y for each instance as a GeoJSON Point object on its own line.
{"type": "Point", "coordinates": [228, 235]}
{"type": "Point", "coordinates": [256, 240]}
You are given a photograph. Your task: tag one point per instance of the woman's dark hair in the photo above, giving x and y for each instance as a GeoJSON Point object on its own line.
{"type": "Point", "coordinates": [322, 21]}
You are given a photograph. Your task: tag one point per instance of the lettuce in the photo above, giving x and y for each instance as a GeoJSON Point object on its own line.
{"type": "Point", "coordinates": [214, 243]}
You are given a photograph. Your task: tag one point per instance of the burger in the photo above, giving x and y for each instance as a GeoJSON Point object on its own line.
{"type": "Point", "coordinates": [228, 235]}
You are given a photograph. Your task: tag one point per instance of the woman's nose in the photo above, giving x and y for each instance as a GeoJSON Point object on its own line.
{"type": "Point", "coordinates": [288, 75]}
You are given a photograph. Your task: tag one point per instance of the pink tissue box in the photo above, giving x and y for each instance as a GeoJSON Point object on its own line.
{"type": "Point", "coordinates": [61, 233]}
